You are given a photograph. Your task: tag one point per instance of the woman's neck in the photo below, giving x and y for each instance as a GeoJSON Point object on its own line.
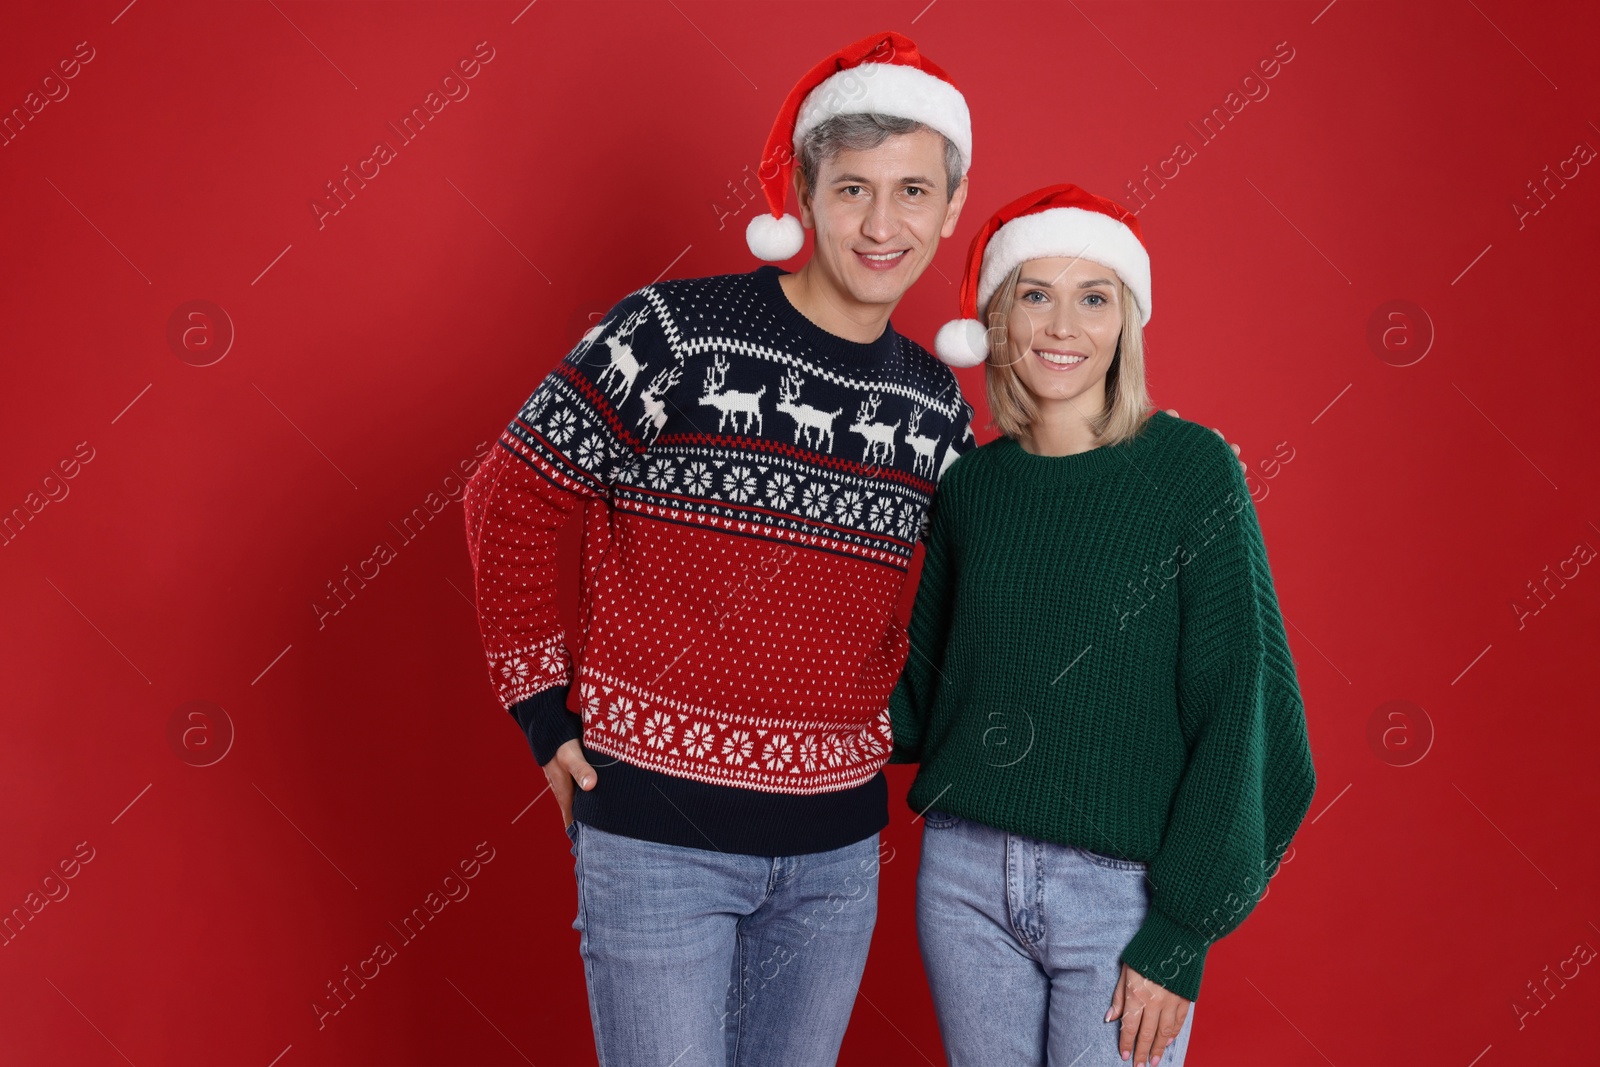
{"type": "Point", "coordinates": [1060, 433]}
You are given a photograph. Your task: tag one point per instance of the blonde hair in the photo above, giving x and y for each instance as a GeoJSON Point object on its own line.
{"type": "Point", "coordinates": [1012, 409]}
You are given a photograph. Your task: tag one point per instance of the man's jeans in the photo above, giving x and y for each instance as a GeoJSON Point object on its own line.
{"type": "Point", "coordinates": [1021, 941]}
{"type": "Point", "coordinates": [699, 958]}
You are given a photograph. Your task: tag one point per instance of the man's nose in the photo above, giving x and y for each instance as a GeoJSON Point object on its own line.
{"type": "Point", "coordinates": [880, 225]}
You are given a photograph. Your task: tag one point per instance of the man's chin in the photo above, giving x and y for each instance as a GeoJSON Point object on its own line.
{"type": "Point", "coordinates": [869, 287]}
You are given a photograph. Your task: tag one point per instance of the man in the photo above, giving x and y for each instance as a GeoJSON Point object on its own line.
{"type": "Point", "coordinates": [753, 456]}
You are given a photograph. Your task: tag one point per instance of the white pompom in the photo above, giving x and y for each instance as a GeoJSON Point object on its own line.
{"type": "Point", "coordinates": [962, 343]}
{"type": "Point", "coordinates": [775, 240]}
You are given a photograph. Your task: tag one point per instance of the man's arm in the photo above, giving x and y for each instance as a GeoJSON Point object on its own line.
{"type": "Point", "coordinates": [913, 693]}
{"type": "Point", "coordinates": [559, 452]}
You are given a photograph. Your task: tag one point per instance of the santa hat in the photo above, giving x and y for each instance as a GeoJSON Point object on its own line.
{"type": "Point", "coordinates": [882, 74]}
{"type": "Point", "coordinates": [1058, 220]}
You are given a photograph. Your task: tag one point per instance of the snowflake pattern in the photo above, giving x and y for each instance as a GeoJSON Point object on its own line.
{"type": "Point", "coordinates": [815, 500]}
{"type": "Point", "coordinates": [780, 490]}
{"type": "Point", "coordinates": [847, 508]}
{"type": "Point", "coordinates": [561, 426]}
{"type": "Point", "coordinates": [620, 717]}
{"type": "Point", "coordinates": [777, 752]}
{"type": "Point", "coordinates": [514, 670]}
{"type": "Point", "coordinates": [739, 484]}
{"type": "Point", "coordinates": [881, 514]}
{"type": "Point", "coordinates": [698, 739]}
{"type": "Point", "coordinates": [658, 730]}
{"type": "Point", "coordinates": [666, 738]}
{"type": "Point", "coordinates": [737, 746]}
{"type": "Point", "coordinates": [592, 452]}
{"type": "Point", "coordinates": [697, 478]}
{"type": "Point", "coordinates": [661, 472]}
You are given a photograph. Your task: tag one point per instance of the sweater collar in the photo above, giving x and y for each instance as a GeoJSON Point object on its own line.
{"type": "Point", "coordinates": [1080, 466]}
{"type": "Point", "coordinates": [821, 341]}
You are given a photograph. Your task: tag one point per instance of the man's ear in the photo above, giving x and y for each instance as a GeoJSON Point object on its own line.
{"type": "Point", "coordinates": [958, 200]}
{"type": "Point", "coordinates": [807, 219]}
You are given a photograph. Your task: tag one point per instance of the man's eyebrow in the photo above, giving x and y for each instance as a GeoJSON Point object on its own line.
{"type": "Point", "coordinates": [1081, 285]}
{"type": "Point", "coordinates": [857, 179]}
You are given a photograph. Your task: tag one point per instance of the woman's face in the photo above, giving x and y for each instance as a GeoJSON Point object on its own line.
{"type": "Point", "coordinates": [1062, 331]}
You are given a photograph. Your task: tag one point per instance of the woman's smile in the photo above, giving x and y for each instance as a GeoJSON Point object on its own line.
{"type": "Point", "coordinates": [1061, 360]}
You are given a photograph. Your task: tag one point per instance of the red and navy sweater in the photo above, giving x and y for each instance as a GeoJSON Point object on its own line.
{"type": "Point", "coordinates": [752, 488]}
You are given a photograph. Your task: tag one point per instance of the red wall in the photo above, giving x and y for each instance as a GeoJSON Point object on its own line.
{"type": "Point", "coordinates": [376, 348]}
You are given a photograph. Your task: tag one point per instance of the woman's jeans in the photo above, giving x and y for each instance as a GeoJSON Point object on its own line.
{"type": "Point", "coordinates": [697, 958]}
{"type": "Point", "coordinates": [1021, 940]}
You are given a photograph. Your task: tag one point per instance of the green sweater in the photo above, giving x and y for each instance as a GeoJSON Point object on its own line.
{"type": "Point", "coordinates": [1098, 659]}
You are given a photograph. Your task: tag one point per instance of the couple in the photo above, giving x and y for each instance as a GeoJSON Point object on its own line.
{"type": "Point", "coordinates": [1096, 682]}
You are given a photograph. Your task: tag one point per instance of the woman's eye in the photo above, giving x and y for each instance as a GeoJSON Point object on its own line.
{"type": "Point", "coordinates": [1033, 292]}
{"type": "Point", "coordinates": [1096, 296]}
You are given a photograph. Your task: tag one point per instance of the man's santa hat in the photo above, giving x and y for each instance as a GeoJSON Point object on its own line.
{"type": "Point", "coordinates": [1058, 220]}
{"type": "Point", "coordinates": [882, 74]}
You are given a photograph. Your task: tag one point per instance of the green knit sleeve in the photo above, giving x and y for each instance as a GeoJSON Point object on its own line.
{"type": "Point", "coordinates": [912, 699]}
{"type": "Point", "coordinates": [1249, 777]}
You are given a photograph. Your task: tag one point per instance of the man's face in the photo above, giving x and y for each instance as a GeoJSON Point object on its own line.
{"type": "Point", "coordinates": [879, 214]}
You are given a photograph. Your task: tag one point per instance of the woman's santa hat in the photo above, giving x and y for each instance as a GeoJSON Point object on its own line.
{"type": "Point", "coordinates": [882, 74]}
{"type": "Point", "coordinates": [1058, 220]}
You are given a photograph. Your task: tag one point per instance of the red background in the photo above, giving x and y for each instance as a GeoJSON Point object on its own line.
{"type": "Point", "coordinates": [374, 351]}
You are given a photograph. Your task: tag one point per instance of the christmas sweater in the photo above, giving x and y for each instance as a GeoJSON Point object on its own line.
{"type": "Point", "coordinates": [752, 488]}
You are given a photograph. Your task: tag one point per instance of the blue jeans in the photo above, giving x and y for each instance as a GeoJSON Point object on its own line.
{"type": "Point", "coordinates": [1021, 940]}
{"type": "Point", "coordinates": [695, 958]}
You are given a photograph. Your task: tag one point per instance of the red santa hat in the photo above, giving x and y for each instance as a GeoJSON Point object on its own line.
{"type": "Point", "coordinates": [1058, 220]}
{"type": "Point", "coordinates": [882, 74]}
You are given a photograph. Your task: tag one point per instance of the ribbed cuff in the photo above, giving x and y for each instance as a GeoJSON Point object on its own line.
{"type": "Point", "coordinates": [547, 722]}
{"type": "Point", "coordinates": [1169, 954]}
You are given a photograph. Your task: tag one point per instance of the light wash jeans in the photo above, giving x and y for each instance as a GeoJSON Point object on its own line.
{"type": "Point", "coordinates": [699, 958]}
{"type": "Point", "coordinates": [1021, 940]}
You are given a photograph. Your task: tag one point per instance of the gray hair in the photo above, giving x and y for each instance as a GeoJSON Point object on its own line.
{"type": "Point", "coordinates": [860, 132]}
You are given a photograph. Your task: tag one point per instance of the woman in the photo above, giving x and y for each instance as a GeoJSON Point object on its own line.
{"type": "Point", "coordinates": [1099, 691]}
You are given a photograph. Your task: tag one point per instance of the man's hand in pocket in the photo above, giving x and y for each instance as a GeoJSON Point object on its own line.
{"type": "Point", "coordinates": [568, 767]}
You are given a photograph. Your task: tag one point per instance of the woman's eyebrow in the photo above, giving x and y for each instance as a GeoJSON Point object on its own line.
{"type": "Point", "coordinates": [1081, 285]}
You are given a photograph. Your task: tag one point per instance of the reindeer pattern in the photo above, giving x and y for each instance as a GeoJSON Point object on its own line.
{"type": "Point", "coordinates": [687, 428]}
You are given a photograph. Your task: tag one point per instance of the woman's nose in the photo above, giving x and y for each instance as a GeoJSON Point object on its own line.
{"type": "Point", "coordinates": [1063, 324]}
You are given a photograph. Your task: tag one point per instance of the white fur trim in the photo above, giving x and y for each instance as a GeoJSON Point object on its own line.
{"type": "Point", "coordinates": [962, 343]}
{"type": "Point", "coordinates": [889, 89]}
{"type": "Point", "coordinates": [775, 240]}
{"type": "Point", "coordinates": [1072, 232]}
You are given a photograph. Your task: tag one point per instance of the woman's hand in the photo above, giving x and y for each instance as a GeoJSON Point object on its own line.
{"type": "Point", "coordinates": [1151, 1016]}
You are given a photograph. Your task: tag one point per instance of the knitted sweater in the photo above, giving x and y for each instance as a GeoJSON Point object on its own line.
{"type": "Point", "coordinates": [752, 488]}
{"type": "Point", "coordinates": [1098, 659]}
